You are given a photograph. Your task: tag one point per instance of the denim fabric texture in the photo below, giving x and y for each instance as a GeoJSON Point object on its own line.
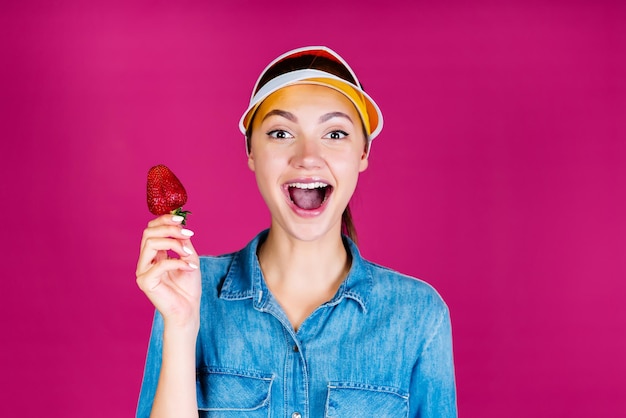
{"type": "Point", "coordinates": [382, 347]}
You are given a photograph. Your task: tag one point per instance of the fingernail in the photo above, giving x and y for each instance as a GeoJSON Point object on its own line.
{"type": "Point", "coordinates": [177, 218]}
{"type": "Point", "coordinates": [193, 266]}
{"type": "Point", "coordinates": [186, 232]}
{"type": "Point", "coordinates": [187, 250]}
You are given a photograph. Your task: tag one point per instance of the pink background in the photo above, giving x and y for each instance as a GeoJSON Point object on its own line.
{"type": "Point", "coordinates": [499, 178]}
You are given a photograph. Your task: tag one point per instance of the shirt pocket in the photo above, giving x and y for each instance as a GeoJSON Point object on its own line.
{"type": "Point", "coordinates": [360, 400]}
{"type": "Point", "coordinates": [226, 393]}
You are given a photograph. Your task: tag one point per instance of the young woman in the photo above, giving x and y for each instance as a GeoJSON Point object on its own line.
{"type": "Point", "coordinates": [297, 324]}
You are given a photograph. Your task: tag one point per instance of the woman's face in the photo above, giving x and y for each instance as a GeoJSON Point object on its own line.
{"type": "Point", "coordinates": [307, 150]}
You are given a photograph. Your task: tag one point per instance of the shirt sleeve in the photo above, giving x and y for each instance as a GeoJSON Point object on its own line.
{"type": "Point", "coordinates": [433, 388]}
{"type": "Point", "coordinates": [152, 368]}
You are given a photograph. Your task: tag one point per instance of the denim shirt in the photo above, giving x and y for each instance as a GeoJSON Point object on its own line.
{"type": "Point", "coordinates": [381, 347]}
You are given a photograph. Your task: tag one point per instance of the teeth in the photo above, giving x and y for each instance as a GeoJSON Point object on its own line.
{"type": "Point", "coordinates": [315, 185]}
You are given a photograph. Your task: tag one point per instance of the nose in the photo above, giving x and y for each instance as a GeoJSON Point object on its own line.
{"type": "Point", "coordinates": [308, 154]}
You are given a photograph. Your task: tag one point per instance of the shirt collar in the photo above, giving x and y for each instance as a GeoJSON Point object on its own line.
{"type": "Point", "coordinates": [244, 279]}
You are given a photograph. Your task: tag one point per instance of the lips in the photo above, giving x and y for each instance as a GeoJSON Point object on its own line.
{"type": "Point", "coordinates": [308, 195]}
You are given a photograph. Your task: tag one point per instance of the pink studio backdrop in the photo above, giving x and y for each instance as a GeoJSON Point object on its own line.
{"type": "Point", "coordinates": [499, 178]}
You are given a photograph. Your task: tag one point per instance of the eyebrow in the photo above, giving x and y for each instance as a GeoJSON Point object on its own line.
{"type": "Point", "coordinates": [277, 112]}
{"type": "Point", "coordinates": [290, 116]}
{"type": "Point", "coordinates": [331, 115]}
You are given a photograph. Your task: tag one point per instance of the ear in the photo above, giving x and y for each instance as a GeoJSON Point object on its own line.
{"type": "Point", "coordinates": [364, 163]}
{"type": "Point", "coordinates": [249, 153]}
{"type": "Point", "coordinates": [250, 161]}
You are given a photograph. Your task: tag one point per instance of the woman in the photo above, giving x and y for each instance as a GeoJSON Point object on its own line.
{"type": "Point", "coordinates": [297, 324]}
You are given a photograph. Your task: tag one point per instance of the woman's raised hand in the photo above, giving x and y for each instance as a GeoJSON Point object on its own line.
{"type": "Point", "coordinates": [173, 285]}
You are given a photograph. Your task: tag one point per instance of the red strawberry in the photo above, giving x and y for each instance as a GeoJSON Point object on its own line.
{"type": "Point", "coordinates": [166, 193]}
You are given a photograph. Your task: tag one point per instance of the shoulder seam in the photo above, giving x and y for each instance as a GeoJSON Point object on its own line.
{"type": "Point", "coordinates": [435, 331]}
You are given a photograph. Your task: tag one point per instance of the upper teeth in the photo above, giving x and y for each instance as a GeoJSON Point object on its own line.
{"type": "Point", "coordinates": [315, 185]}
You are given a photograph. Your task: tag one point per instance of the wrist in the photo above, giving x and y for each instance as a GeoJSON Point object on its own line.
{"type": "Point", "coordinates": [181, 330]}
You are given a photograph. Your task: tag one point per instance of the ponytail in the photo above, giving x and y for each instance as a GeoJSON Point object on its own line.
{"type": "Point", "coordinates": [347, 225]}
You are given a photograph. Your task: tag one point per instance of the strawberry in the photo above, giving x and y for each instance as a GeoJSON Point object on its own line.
{"type": "Point", "coordinates": [166, 193]}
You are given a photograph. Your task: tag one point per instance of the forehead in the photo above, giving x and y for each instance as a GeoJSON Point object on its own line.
{"type": "Point", "coordinates": [307, 98]}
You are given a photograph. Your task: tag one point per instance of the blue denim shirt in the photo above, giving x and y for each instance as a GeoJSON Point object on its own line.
{"type": "Point", "coordinates": [382, 347]}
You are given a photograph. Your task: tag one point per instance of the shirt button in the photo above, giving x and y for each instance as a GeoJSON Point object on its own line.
{"type": "Point", "coordinates": [296, 415]}
{"type": "Point", "coordinates": [296, 349]}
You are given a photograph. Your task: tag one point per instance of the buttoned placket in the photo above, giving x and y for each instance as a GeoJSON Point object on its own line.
{"type": "Point", "coordinates": [295, 376]}
{"type": "Point", "coordinates": [298, 400]}
{"type": "Point", "coordinates": [296, 379]}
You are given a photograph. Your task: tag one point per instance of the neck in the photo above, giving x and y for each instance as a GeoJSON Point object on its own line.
{"type": "Point", "coordinates": [314, 266]}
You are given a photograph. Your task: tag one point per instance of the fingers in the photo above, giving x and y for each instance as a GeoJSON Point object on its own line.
{"type": "Point", "coordinates": [172, 284]}
{"type": "Point", "coordinates": [166, 220]}
{"type": "Point", "coordinates": [166, 226]}
{"type": "Point", "coordinates": [154, 250]}
{"type": "Point", "coordinates": [188, 247]}
{"type": "Point", "coordinates": [162, 234]}
{"type": "Point", "coordinates": [149, 280]}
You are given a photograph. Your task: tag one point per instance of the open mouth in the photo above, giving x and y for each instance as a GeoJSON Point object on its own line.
{"type": "Point", "coordinates": [309, 196]}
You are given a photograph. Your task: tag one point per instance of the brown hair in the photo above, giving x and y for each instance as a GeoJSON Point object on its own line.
{"type": "Point", "coordinates": [305, 61]}
{"type": "Point", "coordinates": [347, 225]}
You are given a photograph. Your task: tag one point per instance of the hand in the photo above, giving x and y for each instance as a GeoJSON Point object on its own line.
{"type": "Point", "coordinates": [173, 285]}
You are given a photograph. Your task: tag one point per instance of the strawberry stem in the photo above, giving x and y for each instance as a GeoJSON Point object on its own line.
{"type": "Point", "coordinates": [183, 213]}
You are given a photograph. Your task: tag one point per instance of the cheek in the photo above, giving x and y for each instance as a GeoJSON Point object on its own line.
{"type": "Point", "coordinates": [264, 184]}
{"type": "Point", "coordinates": [347, 169]}
{"type": "Point", "coordinates": [267, 170]}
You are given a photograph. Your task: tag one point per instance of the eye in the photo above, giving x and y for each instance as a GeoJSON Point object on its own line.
{"type": "Point", "coordinates": [279, 134]}
{"type": "Point", "coordinates": [336, 135]}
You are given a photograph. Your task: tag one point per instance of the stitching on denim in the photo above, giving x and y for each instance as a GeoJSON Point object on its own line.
{"type": "Point", "coordinates": [247, 374]}
{"type": "Point", "coordinates": [357, 297]}
{"type": "Point", "coordinates": [254, 374]}
{"type": "Point", "coordinates": [435, 332]}
{"type": "Point", "coordinates": [368, 387]}
{"type": "Point", "coordinates": [230, 294]}
{"type": "Point", "coordinates": [227, 283]}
